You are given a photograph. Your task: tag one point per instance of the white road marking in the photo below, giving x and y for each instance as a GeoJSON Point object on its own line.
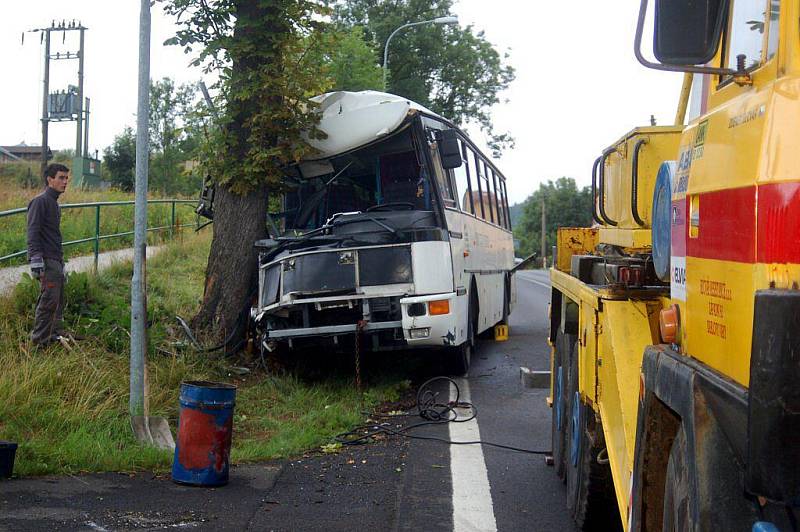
{"type": "Point", "coordinates": [535, 282]}
{"type": "Point", "coordinates": [472, 498]}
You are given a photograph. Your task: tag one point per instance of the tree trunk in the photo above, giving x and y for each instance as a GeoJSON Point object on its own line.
{"type": "Point", "coordinates": [231, 274]}
{"type": "Point", "coordinates": [239, 219]}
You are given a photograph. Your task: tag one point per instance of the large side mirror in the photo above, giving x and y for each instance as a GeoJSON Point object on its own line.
{"type": "Point", "coordinates": [205, 205]}
{"type": "Point", "coordinates": [449, 148]}
{"type": "Point", "coordinates": [687, 32]}
{"type": "Point", "coordinates": [686, 37]}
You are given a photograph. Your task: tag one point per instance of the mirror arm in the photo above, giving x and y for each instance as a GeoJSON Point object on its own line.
{"type": "Point", "coordinates": [740, 76]}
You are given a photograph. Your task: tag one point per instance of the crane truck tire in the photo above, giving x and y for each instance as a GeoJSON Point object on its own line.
{"type": "Point", "coordinates": [676, 488]}
{"type": "Point", "coordinates": [563, 347]}
{"type": "Point", "coordinates": [590, 491]}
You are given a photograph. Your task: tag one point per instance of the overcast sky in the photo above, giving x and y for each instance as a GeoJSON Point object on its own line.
{"type": "Point", "coordinates": [578, 85]}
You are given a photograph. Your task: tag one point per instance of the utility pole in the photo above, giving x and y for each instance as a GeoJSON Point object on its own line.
{"type": "Point", "coordinates": [138, 296]}
{"type": "Point", "coordinates": [79, 137]}
{"type": "Point", "coordinates": [86, 128]}
{"type": "Point", "coordinates": [45, 94]}
{"type": "Point", "coordinates": [67, 109]}
{"type": "Point", "coordinates": [544, 236]}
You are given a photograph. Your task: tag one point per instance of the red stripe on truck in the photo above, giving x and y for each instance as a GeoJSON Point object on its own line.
{"type": "Point", "coordinates": [727, 228]}
{"type": "Point", "coordinates": [779, 223]}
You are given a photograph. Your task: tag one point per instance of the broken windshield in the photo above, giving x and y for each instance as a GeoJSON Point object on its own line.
{"type": "Point", "coordinates": [382, 177]}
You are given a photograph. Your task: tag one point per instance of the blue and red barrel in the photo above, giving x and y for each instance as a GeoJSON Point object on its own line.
{"type": "Point", "coordinates": [203, 449]}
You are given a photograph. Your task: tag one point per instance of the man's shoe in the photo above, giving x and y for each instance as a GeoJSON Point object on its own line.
{"type": "Point", "coordinates": [64, 341]}
{"type": "Point", "coordinates": [72, 336]}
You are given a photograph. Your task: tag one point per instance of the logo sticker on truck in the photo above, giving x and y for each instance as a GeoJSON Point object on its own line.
{"type": "Point", "coordinates": [677, 278]}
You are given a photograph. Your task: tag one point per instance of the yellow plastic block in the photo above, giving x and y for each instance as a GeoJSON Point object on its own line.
{"type": "Point", "coordinates": [500, 333]}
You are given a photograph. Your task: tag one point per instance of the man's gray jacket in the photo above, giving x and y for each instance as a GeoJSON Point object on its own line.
{"type": "Point", "coordinates": [44, 227]}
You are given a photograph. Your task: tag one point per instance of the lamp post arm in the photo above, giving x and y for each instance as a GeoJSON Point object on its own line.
{"type": "Point", "coordinates": [386, 46]}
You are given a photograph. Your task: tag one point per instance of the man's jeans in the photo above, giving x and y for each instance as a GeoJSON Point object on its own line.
{"type": "Point", "coordinates": [48, 321]}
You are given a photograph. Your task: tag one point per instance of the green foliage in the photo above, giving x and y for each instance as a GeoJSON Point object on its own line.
{"type": "Point", "coordinates": [261, 51]}
{"type": "Point", "coordinates": [68, 410]}
{"type": "Point", "coordinates": [516, 213]}
{"type": "Point", "coordinates": [349, 61]}
{"type": "Point", "coordinates": [176, 131]}
{"type": "Point", "coordinates": [21, 173]}
{"type": "Point", "coordinates": [119, 160]}
{"type": "Point", "coordinates": [174, 136]}
{"type": "Point", "coordinates": [565, 206]}
{"type": "Point", "coordinates": [451, 70]}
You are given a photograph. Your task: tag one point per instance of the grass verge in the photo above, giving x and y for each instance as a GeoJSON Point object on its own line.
{"type": "Point", "coordinates": [68, 410]}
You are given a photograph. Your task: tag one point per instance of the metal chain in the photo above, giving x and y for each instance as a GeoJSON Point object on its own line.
{"type": "Point", "coordinates": [359, 328]}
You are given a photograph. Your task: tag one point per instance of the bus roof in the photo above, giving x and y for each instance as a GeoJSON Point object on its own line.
{"type": "Point", "coordinates": [352, 119]}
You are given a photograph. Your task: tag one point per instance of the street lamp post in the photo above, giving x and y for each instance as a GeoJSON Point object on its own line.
{"type": "Point", "coordinates": [437, 20]}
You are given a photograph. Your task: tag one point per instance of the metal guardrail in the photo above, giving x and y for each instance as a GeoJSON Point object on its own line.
{"type": "Point", "coordinates": [97, 236]}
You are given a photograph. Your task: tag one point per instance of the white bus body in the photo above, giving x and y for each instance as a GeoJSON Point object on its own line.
{"type": "Point", "coordinates": [381, 240]}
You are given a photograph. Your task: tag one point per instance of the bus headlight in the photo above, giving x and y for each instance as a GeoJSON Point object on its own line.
{"type": "Point", "coordinates": [420, 332]}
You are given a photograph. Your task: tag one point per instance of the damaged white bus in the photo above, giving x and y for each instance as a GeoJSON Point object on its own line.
{"type": "Point", "coordinates": [398, 231]}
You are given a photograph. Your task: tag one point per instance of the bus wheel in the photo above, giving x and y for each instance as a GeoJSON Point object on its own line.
{"type": "Point", "coordinates": [563, 347]}
{"type": "Point", "coordinates": [676, 487]}
{"type": "Point", "coordinates": [590, 491]}
{"type": "Point", "coordinates": [459, 358]}
{"type": "Point", "coordinates": [506, 300]}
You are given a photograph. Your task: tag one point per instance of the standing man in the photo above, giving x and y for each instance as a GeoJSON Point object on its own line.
{"type": "Point", "coordinates": [46, 257]}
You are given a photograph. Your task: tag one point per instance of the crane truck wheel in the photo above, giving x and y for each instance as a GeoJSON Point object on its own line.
{"type": "Point", "coordinates": [676, 488]}
{"type": "Point", "coordinates": [590, 491]}
{"type": "Point", "coordinates": [563, 347]}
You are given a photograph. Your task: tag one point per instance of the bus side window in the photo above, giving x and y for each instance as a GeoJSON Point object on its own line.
{"type": "Point", "coordinates": [483, 190]}
{"type": "Point", "coordinates": [497, 201]}
{"type": "Point", "coordinates": [490, 198]}
{"type": "Point", "coordinates": [468, 191]}
{"type": "Point", "coordinates": [442, 178]}
{"type": "Point", "coordinates": [747, 26]}
{"type": "Point", "coordinates": [505, 204]}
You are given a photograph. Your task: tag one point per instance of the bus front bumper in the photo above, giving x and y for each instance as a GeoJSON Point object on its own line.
{"type": "Point", "coordinates": [423, 330]}
{"type": "Point", "coordinates": [433, 329]}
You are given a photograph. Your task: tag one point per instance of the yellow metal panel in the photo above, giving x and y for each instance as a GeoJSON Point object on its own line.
{"type": "Point", "coordinates": [780, 276]}
{"type": "Point", "coordinates": [627, 328]}
{"type": "Point", "coordinates": [588, 330]}
{"type": "Point", "coordinates": [778, 161]}
{"type": "Point", "coordinates": [631, 239]}
{"type": "Point", "coordinates": [574, 288]}
{"type": "Point", "coordinates": [660, 144]}
{"type": "Point", "coordinates": [574, 241]}
{"type": "Point", "coordinates": [730, 155]}
{"type": "Point", "coordinates": [718, 315]}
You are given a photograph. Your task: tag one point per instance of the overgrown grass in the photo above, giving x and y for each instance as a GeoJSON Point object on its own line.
{"type": "Point", "coordinates": [68, 410]}
{"type": "Point", "coordinates": [80, 223]}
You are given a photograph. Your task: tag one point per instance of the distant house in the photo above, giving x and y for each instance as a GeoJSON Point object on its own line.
{"type": "Point", "coordinates": [6, 156]}
{"type": "Point", "coordinates": [23, 152]}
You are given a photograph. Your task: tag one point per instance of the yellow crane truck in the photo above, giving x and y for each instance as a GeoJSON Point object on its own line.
{"type": "Point", "coordinates": [675, 318]}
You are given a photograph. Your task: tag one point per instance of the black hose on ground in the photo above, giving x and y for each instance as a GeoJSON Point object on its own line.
{"type": "Point", "coordinates": [240, 321]}
{"type": "Point", "coordinates": [433, 412]}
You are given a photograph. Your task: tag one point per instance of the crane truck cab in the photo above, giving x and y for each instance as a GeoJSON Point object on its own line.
{"type": "Point", "coordinates": [675, 318]}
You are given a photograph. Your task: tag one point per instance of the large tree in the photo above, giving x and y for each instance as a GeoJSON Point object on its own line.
{"type": "Point", "coordinates": [119, 160]}
{"type": "Point", "coordinates": [348, 60]}
{"type": "Point", "coordinates": [170, 109]}
{"type": "Point", "coordinates": [454, 71]}
{"type": "Point", "coordinates": [258, 49]}
{"type": "Point", "coordinates": [565, 206]}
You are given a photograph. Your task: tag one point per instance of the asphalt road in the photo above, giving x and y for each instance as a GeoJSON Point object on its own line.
{"type": "Point", "coordinates": [396, 484]}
